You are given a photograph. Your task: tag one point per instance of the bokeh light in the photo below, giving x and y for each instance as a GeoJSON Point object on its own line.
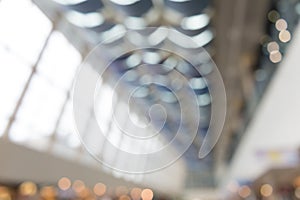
{"type": "Point", "coordinates": [48, 192]}
{"type": "Point", "coordinates": [266, 190]}
{"type": "Point", "coordinates": [64, 183]}
{"type": "Point", "coordinates": [124, 197]}
{"type": "Point", "coordinates": [136, 193]}
{"type": "Point", "coordinates": [85, 193]}
{"type": "Point", "coordinates": [297, 192]}
{"type": "Point", "coordinates": [297, 182]}
{"type": "Point", "coordinates": [28, 188]}
{"type": "Point", "coordinates": [275, 57]}
{"type": "Point", "coordinates": [147, 194]}
{"type": "Point", "coordinates": [99, 189]}
{"type": "Point", "coordinates": [244, 191]}
{"type": "Point", "coordinates": [285, 36]}
{"type": "Point", "coordinates": [281, 25]}
{"type": "Point", "coordinates": [4, 193]}
{"type": "Point", "coordinates": [273, 16]}
{"type": "Point", "coordinates": [78, 186]}
{"type": "Point", "coordinates": [273, 46]}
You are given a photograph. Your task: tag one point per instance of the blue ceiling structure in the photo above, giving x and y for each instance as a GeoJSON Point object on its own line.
{"type": "Point", "coordinates": [161, 65]}
{"type": "Point", "coordinates": [193, 18]}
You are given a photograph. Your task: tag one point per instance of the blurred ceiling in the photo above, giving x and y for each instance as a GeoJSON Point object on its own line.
{"type": "Point", "coordinates": [231, 31]}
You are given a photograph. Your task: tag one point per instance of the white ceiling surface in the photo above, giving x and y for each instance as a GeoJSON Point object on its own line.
{"type": "Point", "coordinates": [275, 125]}
{"type": "Point", "coordinates": [19, 163]}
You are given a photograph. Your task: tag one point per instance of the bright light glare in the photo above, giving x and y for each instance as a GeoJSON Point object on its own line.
{"type": "Point", "coordinates": [133, 60]}
{"type": "Point", "coordinates": [60, 61]}
{"type": "Point", "coordinates": [24, 28]}
{"type": "Point", "coordinates": [195, 22]}
{"type": "Point", "coordinates": [285, 36]}
{"type": "Point", "coordinates": [39, 111]}
{"type": "Point", "coordinates": [99, 189]}
{"type": "Point", "coordinates": [197, 41]}
{"type": "Point", "coordinates": [147, 194]}
{"type": "Point", "coordinates": [134, 22]}
{"type": "Point", "coordinates": [64, 183]}
{"type": "Point", "coordinates": [103, 106]}
{"type": "Point", "coordinates": [66, 132]}
{"type": "Point", "coordinates": [28, 189]}
{"type": "Point", "coordinates": [69, 2]}
{"type": "Point", "coordinates": [13, 75]}
{"type": "Point", "coordinates": [203, 99]}
{"type": "Point", "coordinates": [281, 25]}
{"type": "Point", "coordinates": [47, 92]}
{"type": "Point", "coordinates": [85, 20]}
{"type": "Point", "coordinates": [180, 1]}
{"type": "Point", "coordinates": [266, 190]}
{"type": "Point", "coordinates": [113, 34]}
{"type": "Point", "coordinates": [124, 2]}
{"type": "Point", "coordinates": [197, 83]}
{"type": "Point", "coordinates": [158, 36]}
{"type": "Point", "coordinates": [203, 38]}
{"type": "Point", "coordinates": [275, 56]}
{"type": "Point", "coordinates": [151, 57]}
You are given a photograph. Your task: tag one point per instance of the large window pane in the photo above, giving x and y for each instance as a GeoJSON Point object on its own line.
{"type": "Point", "coordinates": [60, 61]}
{"type": "Point", "coordinates": [66, 132]}
{"type": "Point", "coordinates": [104, 106]}
{"type": "Point", "coordinates": [24, 28]}
{"type": "Point", "coordinates": [13, 76]}
{"type": "Point", "coordinates": [39, 112]}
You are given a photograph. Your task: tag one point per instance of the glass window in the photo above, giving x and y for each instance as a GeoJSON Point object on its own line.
{"type": "Point", "coordinates": [39, 111]}
{"type": "Point", "coordinates": [66, 133]}
{"type": "Point", "coordinates": [24, 28]}
{"type": "Point", "coordinates": [59, 62]}
{"type": "Point", "coordinates": [43, 102]}
{"type": "Point", "coordinates": [103, 107]}
{"type": "Point", "coordinates": [13, 76]}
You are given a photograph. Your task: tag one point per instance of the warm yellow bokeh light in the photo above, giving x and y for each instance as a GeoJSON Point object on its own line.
{"type": "Point", "coordinates": [4, 193]}
{"type": "Point", "coordinates": [124, 197]}
{"type": "Point", "coordinates": [99, 189]}
{"type": "Point", "coordinates": [64, 183]}
{"type": "Point", "coordinates": [136, 193]}
{"type": "Point", "coordinates": [284, 36]}
{"type": "Point", "coordinates": [147, 194]}
{"type": "Point", "coordinates": [297, 193]}
{"type": "Point", "coordinates": [85, 193]}
{"type": "Point", "coordinates": [266, 190]}
{"type": "Point", "coordinates": [281, 25]}
{"type": "Point", "coordinates": [297, 182]}
{"type": "Point", "coordinates": [273, 46]}
{"type": "Point", "coordinates": [275, 57]}
{"type": "Point", "coordinates": [78, 186]}
{"type": "Point", "coordinates": [244, 191]}
{"type": "Point", "coordinates": [48, 192]}
{"type": "Point", "coordinates": [28, 189]}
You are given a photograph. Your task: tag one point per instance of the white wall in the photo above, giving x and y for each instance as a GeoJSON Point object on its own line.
{"type": "Point", "coordinates": [276, 124]}
{"type": "Point", "coordinates": [19, 163]}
